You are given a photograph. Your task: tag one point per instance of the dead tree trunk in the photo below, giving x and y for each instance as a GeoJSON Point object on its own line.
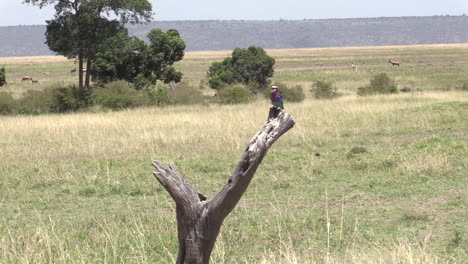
{"type": "Point", "coordinates": [198, 219]}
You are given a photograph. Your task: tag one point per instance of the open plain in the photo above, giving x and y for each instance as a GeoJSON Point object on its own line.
{"type": "Point", "coordinates": [376, 179]}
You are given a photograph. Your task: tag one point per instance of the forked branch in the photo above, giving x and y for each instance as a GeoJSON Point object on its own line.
{"type": "Point", "coordinates": [198, 220]}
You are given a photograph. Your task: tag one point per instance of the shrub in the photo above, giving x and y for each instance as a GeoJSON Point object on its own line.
{"type": "Point", "coordinates": [185, 94]}
{"type": "Point", "coordinates": [159, 95]}
{"type": "Point", "coordinates": [379, 84]}
{"type": "Point", "coordinates": [69, 98]}
{"type": "Point", "coordinates": [36, 102]}
{"type": "Point", "coordinates": [7, 103]}
{"type": "Point", "coordinates": [52, 99]}
{"type": "Point", "coordinates": [324, 90]}
{"type": "Point", "coordinates": [364, 90]}
{"type": "Point", "coordinates": [2, 76]}
{"type": "Point", "coordinates": [293, 94]}
{"type": "Point", "coordinates": [235, 94]}
{"type": "Point", "coordinates": [142, 82]}
{"type": "Point", "coordinates": [118, 95]}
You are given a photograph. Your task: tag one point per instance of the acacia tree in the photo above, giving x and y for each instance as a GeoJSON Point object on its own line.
{"type": "Point", "coordinates": [198, 219]}
{"type": "Point", "coordinates": [80, 27]}
{"type": "Point", "coordinates": [131, 59]}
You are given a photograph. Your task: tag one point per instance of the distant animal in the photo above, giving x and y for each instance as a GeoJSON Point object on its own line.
{"type": "Point", "coordinates": [73, 71]}
{"type": "Point", "coordinates": [84, 70]}
{"type": "Point", "coordinates": [354, 66]}
{"type": "Point", "coordinates": [394, 63]}
{"type": "Point", "coordinates": [46, 73]}
{"type": "Point", "coordinates": [25, 78]}
{"type": "Point", "coordinates": [34, 80]}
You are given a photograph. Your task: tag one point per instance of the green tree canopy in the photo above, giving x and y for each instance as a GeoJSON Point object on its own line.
{"type": "Point", "coordinates": [248, 66]}
{"type": "Point", "coordinates": [131, 59]}
{"type": "Point", "coordinates": [80, 27]}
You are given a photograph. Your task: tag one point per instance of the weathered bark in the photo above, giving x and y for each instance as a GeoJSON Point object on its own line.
{"type": "Point", "coordinates": [199, 220]}
{"type": "Point", "coordinates": [88, 68]}
{"type": "Point", "coordinates": [80, 71]}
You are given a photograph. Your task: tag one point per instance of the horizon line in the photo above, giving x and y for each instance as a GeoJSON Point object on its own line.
{"type": "Point", "coordinates": [267, 20]}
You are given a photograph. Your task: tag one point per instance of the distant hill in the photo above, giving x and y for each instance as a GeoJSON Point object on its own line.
{"type": "Point", "coordinates": [278, 34]}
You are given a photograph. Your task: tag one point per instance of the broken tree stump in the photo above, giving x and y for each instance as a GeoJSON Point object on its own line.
{"type": "Point", "coordinates": [199, 220]}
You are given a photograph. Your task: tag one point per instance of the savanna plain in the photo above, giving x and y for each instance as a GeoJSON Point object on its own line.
{"type": "Point", "coordinates": [375, 179]}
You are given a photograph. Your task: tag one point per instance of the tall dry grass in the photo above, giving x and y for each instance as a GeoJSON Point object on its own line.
{"type": "Point", "coordinates": [175, 130]}
{"type": "Point", "coordinates": [377, 179]}
{"type": "Point", "coordinates": [76, 188]}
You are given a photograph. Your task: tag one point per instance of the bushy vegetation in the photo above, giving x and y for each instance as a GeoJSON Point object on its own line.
{"type": "Point", "coordinates": [7, 103]}
{"type": "Point", "coordinates": [2, 76]}
{"type": "Point", "coordinates": [118, 95]}
{"type": "Point", "coordinates": [112, 96]}
{"type": "Point", "coordinates": [234, 94]}
{"type": "Point", "coordinates": [185, 94]}
{"type": "Point", "coordinates": [174, 94]}
{"type": "Point", "coordinates": [324, 90]}
{"type": "Point", "coordinates": [53, 99]}
{"type": "Point", "coordinates": [70, 98]}
{"type": "Point", "coordinates": [294, 93]}
{"type": "Point", "coordinates": [159, 95]}
{"type": "Point", "coordinates": [36, 102]}
{"type": "Point", "coordinates": [251, 66]}
{"type": "Point", "coordinates": [379, 84]}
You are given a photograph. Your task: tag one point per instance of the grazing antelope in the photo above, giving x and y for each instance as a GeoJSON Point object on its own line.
{"type": "Point", "coordinates": [394, 63]}
{"type": "Point", "coordinates": [25, 78]}
{"type": "Point", "coordinates": [73, 71]}
{"type": "Point", "coordinates": [34, 80]}
{"type": "Point", "coordinates": [46, 73]}
{"type": "Point", "coordinates": [354, 66]}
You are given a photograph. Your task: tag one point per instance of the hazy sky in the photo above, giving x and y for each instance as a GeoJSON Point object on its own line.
{"type": "Point", "coordinates": [13, 12]}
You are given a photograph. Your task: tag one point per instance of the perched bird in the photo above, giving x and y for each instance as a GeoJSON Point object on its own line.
{"type": "Point", "coordinates": [276, 98]}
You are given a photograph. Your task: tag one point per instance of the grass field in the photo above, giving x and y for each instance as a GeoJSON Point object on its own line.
{"type": "Point", "coordinates": [423, 67]}
{"type": "Point", "coordinates": [379, 179]}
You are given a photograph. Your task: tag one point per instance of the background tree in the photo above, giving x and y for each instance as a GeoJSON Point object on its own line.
{"type": "Point", "coordinates": [81, 26]}
{"type": "Point", "coordinates": [2, 76]}
{"type": "Point", "coordinates": [250, 66]}
{"type": "Point", "coordinates": [131, 59]}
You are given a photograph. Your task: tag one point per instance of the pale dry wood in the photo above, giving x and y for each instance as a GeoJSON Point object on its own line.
{"type": "Point", "coordinates": [199, 220]}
